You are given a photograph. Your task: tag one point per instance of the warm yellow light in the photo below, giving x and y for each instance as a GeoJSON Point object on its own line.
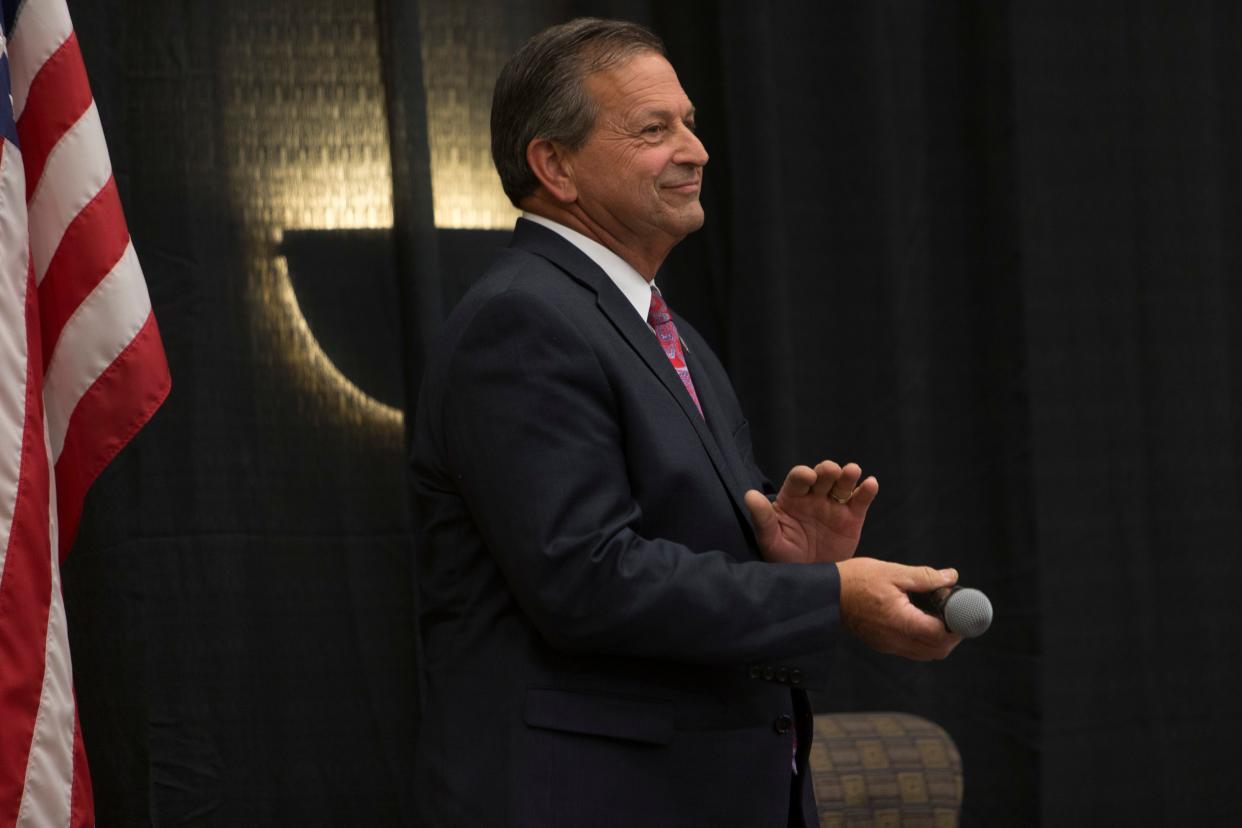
{"type": "Point", "coordinates": [305, 147]}
{"type": "Point", "coordinates": [307, 143]}
{"type": "Point", "coordinates": [465, 45]}
{"type": "Point", "coordinates": [284, 301]}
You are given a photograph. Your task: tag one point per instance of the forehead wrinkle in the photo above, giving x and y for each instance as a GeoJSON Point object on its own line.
{"type": "Point", "coordinates": [616, 88]}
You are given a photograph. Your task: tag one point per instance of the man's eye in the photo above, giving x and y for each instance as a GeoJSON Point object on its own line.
{"type": "Point", "coordinates": [653, 129]}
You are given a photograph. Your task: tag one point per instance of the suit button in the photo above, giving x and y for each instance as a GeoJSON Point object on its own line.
{"type": "Point", "coordinates": [782, 675]}
{"type": "Point", "coordinates": [795, 676]}
{"type": "Point", "coordinates": [755, 671]}
{"type": "Point", "coordinates": [768, 673]}
{"type": "Point", "coordinates": [783, 724]}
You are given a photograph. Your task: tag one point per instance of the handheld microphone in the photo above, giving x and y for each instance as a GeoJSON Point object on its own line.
{"type": "Point", "coordinates": [964, 611]}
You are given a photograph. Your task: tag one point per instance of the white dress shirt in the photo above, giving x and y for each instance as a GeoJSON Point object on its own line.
{"type": "Point", "coordinates": [628, 280]}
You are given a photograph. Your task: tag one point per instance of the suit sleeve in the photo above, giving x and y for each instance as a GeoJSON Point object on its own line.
{"type": "Point", "coordinates": [533, 436]}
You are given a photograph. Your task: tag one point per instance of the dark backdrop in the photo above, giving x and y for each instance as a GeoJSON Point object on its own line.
{"type": "Point", "coordinates": [989, 250]}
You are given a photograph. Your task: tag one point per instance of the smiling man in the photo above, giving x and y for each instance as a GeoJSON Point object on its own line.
{"type": "Point", "coordinates": [620, 618]}
{"type": "Point", "coordinates": [633, 186]}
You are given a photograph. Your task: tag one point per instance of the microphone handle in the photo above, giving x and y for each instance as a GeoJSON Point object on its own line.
{"type": "Point", "coordinates": [933, 602]}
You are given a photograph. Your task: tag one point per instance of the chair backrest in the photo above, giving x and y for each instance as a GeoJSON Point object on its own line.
{"type": "Point", "coordinates": [882, 769]}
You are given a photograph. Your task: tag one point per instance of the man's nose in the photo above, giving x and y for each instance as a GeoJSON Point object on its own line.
{"type": "Point", "coordinates": [691, 149]}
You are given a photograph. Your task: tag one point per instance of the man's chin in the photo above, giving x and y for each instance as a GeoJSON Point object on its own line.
{"type": "Point", "coordinates": [689, 219]}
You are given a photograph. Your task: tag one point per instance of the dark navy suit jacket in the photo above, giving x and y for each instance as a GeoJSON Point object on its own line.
{"type": "Point", "coordinates": [603, 645]}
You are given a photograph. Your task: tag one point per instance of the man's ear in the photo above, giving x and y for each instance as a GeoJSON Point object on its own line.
{"type": "Point", "coordinates": [551, 165]}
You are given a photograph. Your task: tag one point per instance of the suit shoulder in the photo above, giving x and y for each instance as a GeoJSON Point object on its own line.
{"type": "Point", "coordinates": [514, 278]}
{"type": "Point", "coordinates": [515, 270]}
{"type": "Point", "coordinates": [517, 304]}
{"type": "Point", "coordinates": [519, 291]}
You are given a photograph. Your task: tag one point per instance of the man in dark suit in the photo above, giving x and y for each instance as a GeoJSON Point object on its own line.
{"type": "Point", "coordinates": [619, 626]}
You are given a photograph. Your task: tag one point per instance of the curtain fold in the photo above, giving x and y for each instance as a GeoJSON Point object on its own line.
{"type": "Point", "coordinates": [415, 244]}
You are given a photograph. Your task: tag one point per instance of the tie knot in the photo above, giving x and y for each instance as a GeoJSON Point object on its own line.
{"type": "Point", "coordinates": [658, 313]}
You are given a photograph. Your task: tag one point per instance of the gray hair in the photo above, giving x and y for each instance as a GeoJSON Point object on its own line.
{"type": "Point", "coordinates": [540, 92]}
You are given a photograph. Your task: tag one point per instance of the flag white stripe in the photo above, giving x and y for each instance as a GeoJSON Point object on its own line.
{"type": "Point", "coordinates": [100, 329]}
{"type": "Point", "coordinates": [13, 269]}
{"type": "Point", "coordinates": [47, 797]}
{"type": "Point", "coordinates": [93, 337]}
{"type": "Point", "coordinates": [77, 169]}
{"type": "Point", "coordinates": [42, 26]}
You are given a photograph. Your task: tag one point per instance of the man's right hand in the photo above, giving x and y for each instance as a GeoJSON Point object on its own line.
{"type": "Point", "coordinates": [876, 609]}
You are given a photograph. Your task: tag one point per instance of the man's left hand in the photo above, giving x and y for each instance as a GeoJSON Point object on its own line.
{"type": "Point", "coordinates": [817, 516]}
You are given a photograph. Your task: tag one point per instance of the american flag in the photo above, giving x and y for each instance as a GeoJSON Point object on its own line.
{"type": "Point", "coordinates": [82, 368]}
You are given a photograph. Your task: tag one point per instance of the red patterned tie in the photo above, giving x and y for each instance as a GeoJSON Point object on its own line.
{"type": "Point", "coordinates": [661, 321]}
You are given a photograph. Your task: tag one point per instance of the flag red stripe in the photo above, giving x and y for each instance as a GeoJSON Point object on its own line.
{"type": "Point", "coordinates": [77, 209]}
{"type": "Point", "coordinates": [59, 94]}
{"type": "Point", "coordinates": [111, 411]}
{"type": "Point", "coordinates": [26, 585]}
{"type": "Point", "coordinates": [90, 248]}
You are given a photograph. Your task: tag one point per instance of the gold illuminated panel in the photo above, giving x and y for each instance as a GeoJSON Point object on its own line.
{"type": "Point", "coordinates": [306, 147]}
{"type": "Point", "coordinates": [464, 47]}
{"type": "Point", "coordinates": [304, 140]}
{"type": "Point", "coordinates": [307, 133]}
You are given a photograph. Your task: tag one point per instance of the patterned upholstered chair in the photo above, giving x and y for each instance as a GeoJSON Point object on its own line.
{"type": "Point", "coordinates": [884, 769]}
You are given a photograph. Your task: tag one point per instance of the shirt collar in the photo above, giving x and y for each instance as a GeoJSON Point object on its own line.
{"type": "Point", "coordinates": [629, 281]}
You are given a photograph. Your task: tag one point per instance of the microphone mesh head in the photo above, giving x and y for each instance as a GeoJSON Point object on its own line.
{"type": "Point", "coordinates": [968, 612]}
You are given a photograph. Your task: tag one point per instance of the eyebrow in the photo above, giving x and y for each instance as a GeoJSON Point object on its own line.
{"type": "Point", "coordinates": [666, 114]}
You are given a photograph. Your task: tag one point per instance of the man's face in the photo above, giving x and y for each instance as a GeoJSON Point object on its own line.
{"type": "Point", "coordinates": [638, 174]}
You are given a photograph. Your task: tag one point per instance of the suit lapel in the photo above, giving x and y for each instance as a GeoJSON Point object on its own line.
{"type": "Point", "coordinates": [613, 304]}
{"type": "Point", "coordinates": [706, 390]}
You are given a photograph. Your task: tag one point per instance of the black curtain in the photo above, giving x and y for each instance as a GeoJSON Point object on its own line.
{"type": "Point", "coordinates": [986, 249]}
{"type": "Point", "coordinates": [239, 596]}
{"type": "Point", "coordinates": [1128, 148]}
